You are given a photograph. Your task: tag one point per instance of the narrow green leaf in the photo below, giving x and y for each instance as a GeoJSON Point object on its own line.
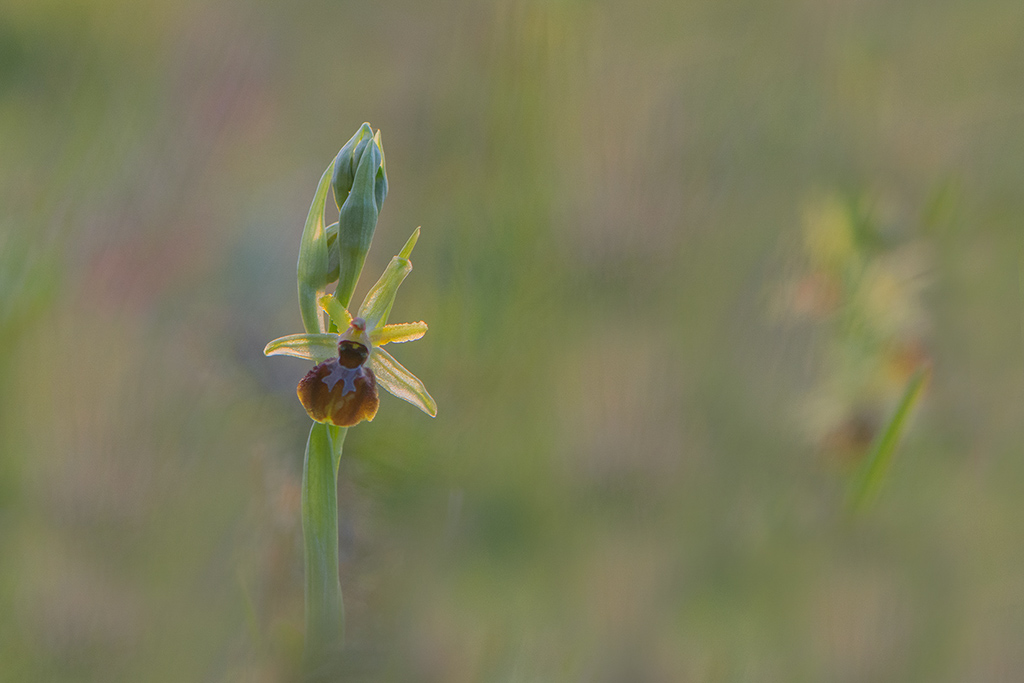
{"type": "Point", "coordinates": [314, 260]}
{"type": "Point", "coordinates": [867, 480]}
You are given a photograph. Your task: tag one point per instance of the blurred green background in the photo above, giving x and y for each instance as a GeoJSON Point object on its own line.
{"type": "Point", "coordinates": [623, 484]}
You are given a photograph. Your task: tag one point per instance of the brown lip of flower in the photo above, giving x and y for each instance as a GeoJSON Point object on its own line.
{"type": "Point", "coordinates": [341, 391]}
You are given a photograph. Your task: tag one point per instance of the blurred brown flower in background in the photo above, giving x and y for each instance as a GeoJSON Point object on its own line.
{"type": "Point", "coordinates": [862, 288]}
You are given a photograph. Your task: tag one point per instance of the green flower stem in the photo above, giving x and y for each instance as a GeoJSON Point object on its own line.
{"type": "Point", "coordinates": [325, 619]}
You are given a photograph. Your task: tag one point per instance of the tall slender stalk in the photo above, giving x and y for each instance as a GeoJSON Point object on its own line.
{"type": "Point", "coordinates": [325, 620]}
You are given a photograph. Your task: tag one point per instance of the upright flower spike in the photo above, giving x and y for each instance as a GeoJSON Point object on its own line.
{"type": "Point", "coordinates": [342, 388]}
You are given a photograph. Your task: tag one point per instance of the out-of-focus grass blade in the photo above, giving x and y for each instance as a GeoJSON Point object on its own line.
{"type": "Point", "coordinates": [869, 477]}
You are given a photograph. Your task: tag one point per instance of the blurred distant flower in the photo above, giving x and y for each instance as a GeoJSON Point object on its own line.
{"type": "Point", "coordinates": [864, 289]}
{"type": "Point", "coordinates": [342, 388]}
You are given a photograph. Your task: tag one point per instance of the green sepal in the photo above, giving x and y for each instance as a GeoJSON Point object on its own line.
{"type": "Point", "coordinates": [313, 268]}
{"type": "Point", "coordinates": [378, 302]}
{"type": "Point", "coordinates": [399, 382]}
{"type": "Point", "coordinates": [410, 244]}
{"type": "Point", "coordinates": [315, 347]}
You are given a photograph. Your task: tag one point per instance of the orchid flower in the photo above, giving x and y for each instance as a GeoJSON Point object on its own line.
{"type": "Point", "coordinates": [342, 388]}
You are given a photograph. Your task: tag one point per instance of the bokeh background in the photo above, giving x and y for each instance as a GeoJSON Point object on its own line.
{"type": "Point", "coordinates": [650, 388]}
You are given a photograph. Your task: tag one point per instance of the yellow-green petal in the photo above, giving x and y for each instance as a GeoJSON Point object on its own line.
{"type": "Point", "coordinates": [398, 333]}
{"type": "Point", "coordinates": [377, 304]}
{"type": "Point", "coordinates": [314, 347]}
{"type": "Point", "coordinates": [338, 313]}
{"type": "Point", "coordinates": [398, 381]}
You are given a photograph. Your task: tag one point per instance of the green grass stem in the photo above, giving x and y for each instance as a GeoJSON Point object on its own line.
{"type": "Point", "coordinates": [868, 478]}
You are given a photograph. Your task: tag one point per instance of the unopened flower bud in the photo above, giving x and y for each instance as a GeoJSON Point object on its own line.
{"type": "Point", "coordinates": [347, 161]}
{"type": "Point", "coordinates": [364, 178]}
